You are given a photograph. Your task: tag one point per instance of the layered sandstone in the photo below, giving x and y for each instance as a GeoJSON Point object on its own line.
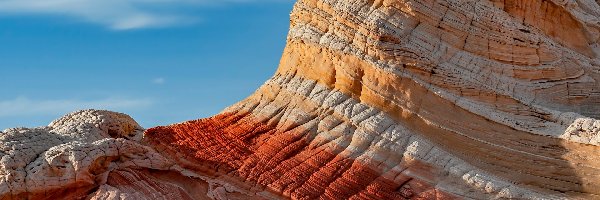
{"type": "Point", "coordinates": [383, 99]}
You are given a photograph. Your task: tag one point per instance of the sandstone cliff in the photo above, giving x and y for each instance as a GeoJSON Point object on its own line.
{"type": "Point", "coordinates": [373, 99]}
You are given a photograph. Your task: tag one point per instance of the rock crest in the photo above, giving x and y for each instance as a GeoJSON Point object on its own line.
{"type": "Point", "coordinates": [383, 99]}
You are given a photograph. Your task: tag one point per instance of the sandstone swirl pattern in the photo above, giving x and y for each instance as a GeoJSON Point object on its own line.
{"type": "Point", "coordinates": [373, 99]}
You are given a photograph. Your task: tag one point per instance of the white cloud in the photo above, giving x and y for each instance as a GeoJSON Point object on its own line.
{"type": "Point", "coordinates": [116, 14]}
{"type": "Point", "coordinates": [23, 106]}
{"type": "Point", "coordinates": [159, 81]}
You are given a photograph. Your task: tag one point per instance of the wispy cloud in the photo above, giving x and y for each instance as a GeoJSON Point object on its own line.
{"type": "Point", "coordinates": [116, 14]}
{"type": "Point", "coordinates": [159, 81]}
{"type": "Point", "coordinates": [23, 106]}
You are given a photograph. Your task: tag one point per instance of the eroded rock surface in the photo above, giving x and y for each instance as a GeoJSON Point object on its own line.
{"type": "Point", "coordinates": [383, 99]}
{"type": "Point", "coordinates": [93, 154]}
{"type": "Point", "coordinates": [71, 156]}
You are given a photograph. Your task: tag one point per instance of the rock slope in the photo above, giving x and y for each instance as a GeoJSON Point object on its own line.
{"type": "Point", "coordinates": [373, 99]}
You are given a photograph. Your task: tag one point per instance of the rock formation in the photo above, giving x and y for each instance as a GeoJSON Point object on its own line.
{"type": "Point", "coordinates": [373, 99]}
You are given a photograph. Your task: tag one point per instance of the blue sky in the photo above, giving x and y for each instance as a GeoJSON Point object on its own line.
{"type": "Point", "coordinates": [160, 61]}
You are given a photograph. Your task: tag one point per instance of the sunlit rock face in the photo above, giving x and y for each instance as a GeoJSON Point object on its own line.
{"type": "Point", "coordinates": [393, 99]}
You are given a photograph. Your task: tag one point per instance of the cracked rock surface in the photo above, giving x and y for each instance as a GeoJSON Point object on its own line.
{"type": "Point", "coordinates": [72, 155]}
{"type": "Point", "coordinates": [93, 154]}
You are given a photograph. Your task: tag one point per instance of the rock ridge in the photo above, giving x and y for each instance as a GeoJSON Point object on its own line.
{"type": "Point", "coordinates": [373, 99]}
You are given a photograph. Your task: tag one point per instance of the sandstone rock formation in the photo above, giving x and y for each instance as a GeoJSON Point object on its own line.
{"type": "Point", "coordinates": [373, 99]}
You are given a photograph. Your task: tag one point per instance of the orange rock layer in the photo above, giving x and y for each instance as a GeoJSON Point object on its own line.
{"type": "Point", "coordinates": [257, 156]}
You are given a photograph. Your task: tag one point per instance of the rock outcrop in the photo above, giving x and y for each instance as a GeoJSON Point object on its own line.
{"type": "Point", "coordinates": [373, 99]}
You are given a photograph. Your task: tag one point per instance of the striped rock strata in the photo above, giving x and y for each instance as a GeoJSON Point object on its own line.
{"type": "Point", "coordinates": [380, 99]}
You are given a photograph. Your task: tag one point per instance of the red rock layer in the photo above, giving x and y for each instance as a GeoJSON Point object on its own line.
{"type": "Point", "coordinates": [256, 155]}
{"type": "Point", "coordinates": [75, 191]}
{"type": "Point", "coordinates": [142, 183]}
